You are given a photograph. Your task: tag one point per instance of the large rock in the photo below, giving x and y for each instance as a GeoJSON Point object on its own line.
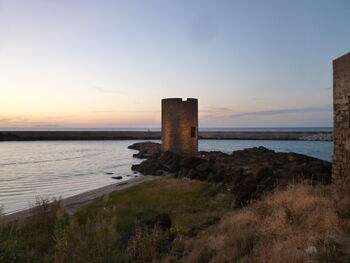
{"type": "Point", "coordinates": [192, 162]}
{"type": "Point", "coordinates": [146, 149]}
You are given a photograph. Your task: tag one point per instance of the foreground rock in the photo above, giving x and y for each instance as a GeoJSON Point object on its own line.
{"type": "Point", "coordinates": [248, 173]}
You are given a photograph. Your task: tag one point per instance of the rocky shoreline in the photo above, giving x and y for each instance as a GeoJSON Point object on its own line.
{"type": "Point", "coordinates": [249, 173]}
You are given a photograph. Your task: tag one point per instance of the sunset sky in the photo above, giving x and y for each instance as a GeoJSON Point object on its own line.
{"type": "Point", "coordinates": [89, 63]}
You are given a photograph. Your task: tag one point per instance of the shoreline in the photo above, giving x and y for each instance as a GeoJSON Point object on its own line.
{"type": "Point", "coordinates": [155, 135]}
{"type": "Point", "coordinates": [74, 203]}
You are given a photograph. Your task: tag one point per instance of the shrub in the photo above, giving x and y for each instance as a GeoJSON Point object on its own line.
{"type": "Point", "coordinates": [147, 245]}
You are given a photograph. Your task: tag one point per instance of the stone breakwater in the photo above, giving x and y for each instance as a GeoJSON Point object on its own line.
{"type": "Point", "coordinates": [249, 173]}
{"type": "Point", "coordinates": [318, 137]}
{"type": "Point", "coordinates": [144, 135]}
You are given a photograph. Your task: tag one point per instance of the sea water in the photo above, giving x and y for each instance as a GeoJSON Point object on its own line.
{"type": "Point", "coordinates": [53, 169]}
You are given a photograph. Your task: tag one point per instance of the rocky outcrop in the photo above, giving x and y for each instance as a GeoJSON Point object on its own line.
{"type": "Point", "coordinates": [248, 173]}
{"type": "Point", "coordinates": [146, 149]}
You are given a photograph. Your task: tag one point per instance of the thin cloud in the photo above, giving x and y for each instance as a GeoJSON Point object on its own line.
{"type": "Point", "coordinates": [47, 126]}
{"type": "Point", "coordinates": [113, 111]}
{"type": "Point", "coordinates": [5, 120]}
{"type": "Point", "coordinates": [215, 109]}
{"type": "Point", "coordinates": [283, 111]}
{"type": "Point", "coordinates": [16, 120]}
{"type": "Point", "coordinates": [151, 111]}
{"type": "Point", "coordinates": [107, 90]}
{"type": "Point", "coordinates": [102, 111]}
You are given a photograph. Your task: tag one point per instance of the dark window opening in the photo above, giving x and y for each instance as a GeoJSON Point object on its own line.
{"type": "Point", "coordinates": [193, 131]}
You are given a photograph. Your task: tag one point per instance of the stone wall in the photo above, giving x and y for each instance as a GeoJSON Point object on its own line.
{"type": "Point", "coordinates": [341, 97]}
{"type": "Point", "coordinates": [180, 125]}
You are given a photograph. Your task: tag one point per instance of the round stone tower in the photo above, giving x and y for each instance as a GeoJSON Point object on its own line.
{"type": "Point", "coordinates": [180, 126]}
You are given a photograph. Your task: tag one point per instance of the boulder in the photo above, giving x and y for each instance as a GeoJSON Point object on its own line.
{"type": "Point", "coordinates": [146, 149]}
{"type": "Point", "coordinates": [192, 162]}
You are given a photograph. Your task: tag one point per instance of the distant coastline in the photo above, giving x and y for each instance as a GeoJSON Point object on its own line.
{"type": "Point", "coordinates": [201, 129]}
{"type": "Point", "coordinates": [145, 135]}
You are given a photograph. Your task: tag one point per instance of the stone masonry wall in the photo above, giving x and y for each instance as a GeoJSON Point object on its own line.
{"type": "Point", "coordinates": [341, 137]}
{"type": "Point", "coordinates": [180, 125]}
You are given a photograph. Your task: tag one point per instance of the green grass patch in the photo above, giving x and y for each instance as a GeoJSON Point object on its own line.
{"type": "Point", "coordinates": [94, 234]}
{"type": "Point", "coordinates": [187, 202]}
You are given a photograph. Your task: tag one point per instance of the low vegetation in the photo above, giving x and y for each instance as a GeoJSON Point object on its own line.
{"type": "Point", "coordinates": [178, 220]}
{"type": "Point", "coordinates": [112, 228]}
{"type": "Point", "coordinates": [300, 224]}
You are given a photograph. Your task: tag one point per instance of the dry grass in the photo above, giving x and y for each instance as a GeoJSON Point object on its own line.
{"type": "Point", "coordinates": [278, 229]}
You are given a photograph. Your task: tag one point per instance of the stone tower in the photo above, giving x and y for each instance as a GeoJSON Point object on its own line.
{"type": "Point", "coordinates": [180, 126]}
{"type": "Point", "coordinates": [341, 133]}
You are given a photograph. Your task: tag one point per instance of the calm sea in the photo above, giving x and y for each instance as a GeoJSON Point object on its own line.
{"type": "Point", "coordinates": [47, 169]}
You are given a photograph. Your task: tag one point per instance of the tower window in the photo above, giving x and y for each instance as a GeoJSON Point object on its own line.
{"type": "Point", "coordinates": [193, 131]}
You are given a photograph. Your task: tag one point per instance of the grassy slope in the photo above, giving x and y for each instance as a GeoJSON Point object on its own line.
{"type": "Point", "coordinates": [188, 203]}
{"type": "Point", "coordinates": [276, 229]}
{"type": "Point", "coordinates": [94, 234]}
